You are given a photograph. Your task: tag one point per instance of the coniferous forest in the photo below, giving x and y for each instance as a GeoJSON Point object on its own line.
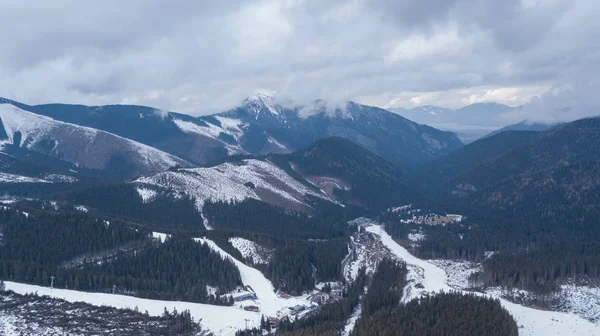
{"type": "Point", "coordinates": [85, 253]}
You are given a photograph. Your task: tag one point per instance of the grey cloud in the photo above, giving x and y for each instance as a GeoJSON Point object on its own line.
{"type": "Point", "coordinates": [203, 57]}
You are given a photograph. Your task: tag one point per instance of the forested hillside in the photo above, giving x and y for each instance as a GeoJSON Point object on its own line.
{"type": "Point", "coordinates": [363, 178]}
{"type": "Point", "coordinates": [444, 314]}
{"type": "Point", "coordinates": [84, 253]}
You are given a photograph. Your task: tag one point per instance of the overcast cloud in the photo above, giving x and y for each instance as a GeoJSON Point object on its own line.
{"type": "Point", "coordinates": [202, 57]}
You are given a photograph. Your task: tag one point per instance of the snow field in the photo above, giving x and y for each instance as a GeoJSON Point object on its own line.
{"type": "Point", "coordinates": [218, 319]}
{"type": "Point", "coordinates": [227, 181]}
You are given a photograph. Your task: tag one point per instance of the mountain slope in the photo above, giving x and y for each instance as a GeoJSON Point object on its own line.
{"type": "Point", "coordinates": [331, 170]}
{"type": "Point", "coordinates": [575, 142]}
{"type": "Point", "coordinates": [350, 173]}
{"type": "Point", "coordinates": [524, 126]}
{"type": "Point", "coordinates": [237, 181]}
{"type": "Point", "coordinates": [434, 175]}
{"type": "Point", "coordinates": [276, 128]}
{"type": "Point", "coordinates": [259, 126]}
{"type": "Point", "coordinates": [25, 133]}
{"type": "Point", "coordinates": [470, 122]}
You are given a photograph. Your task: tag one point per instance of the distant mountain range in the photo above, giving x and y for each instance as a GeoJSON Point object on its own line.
{"type": "Point", "coordinates": [123, 141]}
{"type": "Point", "coordinates": [473, 121]}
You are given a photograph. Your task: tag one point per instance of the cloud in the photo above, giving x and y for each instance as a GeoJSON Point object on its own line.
{"type": "Point", "coordinates": [204, 57]}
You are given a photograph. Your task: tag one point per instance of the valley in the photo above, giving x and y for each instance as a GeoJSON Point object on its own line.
{"type": "Point", "coordinates": [297, 237]}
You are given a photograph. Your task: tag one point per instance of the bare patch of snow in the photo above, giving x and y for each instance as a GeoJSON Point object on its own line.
{"type": "Point", "coordinates": [250, 250]}
{"type": "Point", "coordinates": [146, 194]}
{"type": "Point", "coordinates": [81, 208]}
{"type": "Point", "coordinates": [416, 237]}
{"type": "Point", "coordinates": [162, 237]}
{"type": "Point", "coordinates": [12, 178]}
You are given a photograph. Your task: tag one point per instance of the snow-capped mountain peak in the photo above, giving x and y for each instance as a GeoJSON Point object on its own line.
{"type": "Point", "coordinates": [262, 102]}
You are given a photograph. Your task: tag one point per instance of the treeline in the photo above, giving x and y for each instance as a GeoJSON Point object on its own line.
{"type": "Point", "coordinates": [443, 314]}
{"type": "Point", "coordinates": [178, 269]}
{"type": "Point", "coordinates": [123, 200]}
{"type": "Point", "coordinates": [256, 216]}
{"type": "Point", "coordinates": [50, 239]}
{"type": "Point", "coordinates": [291, 265]}
{"type": "Point", "coordinates": [331, 318]}
{"type": "Point", "coordinates": [387, 287]}
{"type": "Point", "coordinates": [297, 264]}
{"type": "Point", "coordinates": [85, 253]}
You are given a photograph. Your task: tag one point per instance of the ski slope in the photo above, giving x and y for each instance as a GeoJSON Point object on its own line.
{"type": "Point", "coordinates": [268, 301]}
{"type": "Point", "coordinates": [531, 322]}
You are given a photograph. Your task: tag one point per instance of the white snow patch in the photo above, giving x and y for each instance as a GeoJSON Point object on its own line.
{"type": "Point", "coordinates": [250, 250]}
{"type": "Point", "coordinates": [271, 140]}
{"type": "Point", "coordinates": [81, 208]}
{"type": "Point", "coordinates": [146, 194]}
{"type": "Point", "coordinates": [162, 237]}
{"type": "Point", "coordinates": [210, 290]}
{"type": "Point", "coordinates": [458, 272]}
{"type": "Point", "coordinates": [352, 320]}
{"type": "Point", "coordinates": [583, 301]}
{"type": "Point", "coordinates": [416, 237]}
{"type": "Point", "coordinates": [12, 178]}
{"type": "Point", "coordinates": [220, 320]}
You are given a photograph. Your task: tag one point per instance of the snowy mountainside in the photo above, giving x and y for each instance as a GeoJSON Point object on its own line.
{"type": "Point", "coordinates": [82, 146]}
{"type": "Point", "coordinates": [250, 178]}
{"type": "Point", "coordinates": [259, 125]}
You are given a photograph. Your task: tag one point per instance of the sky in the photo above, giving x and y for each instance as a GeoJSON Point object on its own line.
{"type": "Point", "coordinates": [202, 57]}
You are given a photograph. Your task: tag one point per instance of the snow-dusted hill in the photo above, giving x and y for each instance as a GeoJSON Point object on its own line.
{"type": "Point", "coordinates": [251, 178]}
{"type": "Point", "coordinates": [83, 146]}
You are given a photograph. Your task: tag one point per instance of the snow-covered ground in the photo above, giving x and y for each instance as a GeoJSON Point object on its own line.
{"type": "Point", "coordinates": [76, 139]}
{"type": "Point", "coordinates": [531, 322]}
{"type": "Point", "coordinates": [81, 208]}
{"type": "Point", "coordinates": [146, 194]}
{"type": "Point", "coordinates": [160, 236]}
{"type": "Point", "coordinates": [352, 321]}
{"type": "Point", "coordinates": [12, 178]}
{"type": "Point", "coordinates": [250, 250]}
{"type": "Point", "coordinates": [458, 272]}
{"type": "Point", "coordinates": [228, 181]}
{"type": "Point", "coordinates": [268, 301]}
{"type": "Point", "coordinates": [228, 126]}
{"type": "Point", "coordinates": [219, 319]}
